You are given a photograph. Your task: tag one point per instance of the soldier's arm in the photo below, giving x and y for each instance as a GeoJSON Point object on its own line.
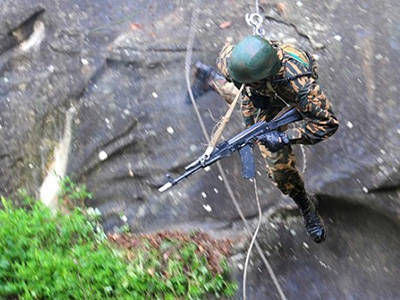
{"type": "Point", "coordinates": [319, 120]}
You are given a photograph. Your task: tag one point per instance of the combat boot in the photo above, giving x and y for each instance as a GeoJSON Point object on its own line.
{"type": "Point", "coordinates": [201, 83]}
{"type": "Point", "coordinates": [312, 220]}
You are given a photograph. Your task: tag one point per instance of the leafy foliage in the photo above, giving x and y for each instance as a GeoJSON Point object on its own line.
{"type": "Point", "coordinates": [46, 256]}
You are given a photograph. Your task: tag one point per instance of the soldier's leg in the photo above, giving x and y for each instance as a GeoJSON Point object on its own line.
{"type": "Point", "coordinates": [281, 167]}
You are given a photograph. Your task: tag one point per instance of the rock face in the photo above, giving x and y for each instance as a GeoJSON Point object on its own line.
{"type": "Point", "coordinates": [120, 67]}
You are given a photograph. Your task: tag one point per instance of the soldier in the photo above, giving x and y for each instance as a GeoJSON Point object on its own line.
{"type": "Point", "coordinates": [277, 76]}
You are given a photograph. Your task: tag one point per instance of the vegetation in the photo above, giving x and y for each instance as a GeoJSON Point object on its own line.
{"type": "Point", "coordinates": [68, 256]}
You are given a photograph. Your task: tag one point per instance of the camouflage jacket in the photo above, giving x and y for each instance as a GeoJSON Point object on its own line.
{"type": "Point", "coordinates": [304, 93]}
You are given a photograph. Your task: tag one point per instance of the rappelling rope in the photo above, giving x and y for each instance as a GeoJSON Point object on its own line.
{"type": "Point", "coordinates": [225, 119]}
{"type": "Point", "coordinates": [219, 166]}
{"type": "Point", "coordinates": [253, 239]}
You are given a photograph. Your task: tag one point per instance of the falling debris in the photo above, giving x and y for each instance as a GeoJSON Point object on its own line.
{"type": "Point", "coordinates": [154, 94]}
{"type": "Point", "coordinates": [207, 207]}
{"type": "Point", "coordinates": [225, 25]}
{"type": "Point", "coordinates": [365, 190]}
{"type": "Point", "coordinates": [84, 61]}
{"type": "Point", "coordinates": [170, 130]}
{"type": "Point", "coordinates": [204, 195]}
{"type": "Point", "coordinates": [103, 155]}
{"type": "Point", "coordinates": [349, 124]}
{"type": "Point", "coordinates": [281, 8]}
{"type": "Point", "coordinates": [136, 26]}
{"type": "Point", "coordinates": [337, 37]}
{"type": "Point", "coordinates": [306, 245]}
{"type": "Point", "coordinates": [220, 178]}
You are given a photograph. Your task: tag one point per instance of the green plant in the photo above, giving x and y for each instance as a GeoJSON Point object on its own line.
{"type": "Point", "coordinates": [73, 194]}
{"type": "Point", "coordinates": [47, 256]}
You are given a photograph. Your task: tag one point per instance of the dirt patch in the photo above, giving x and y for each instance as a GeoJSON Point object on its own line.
{"type": "Point", "coordinates": [212, 249]}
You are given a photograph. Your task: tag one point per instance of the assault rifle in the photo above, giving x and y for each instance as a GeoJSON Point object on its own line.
{"type": "Point", "coordinates": [241, 142]}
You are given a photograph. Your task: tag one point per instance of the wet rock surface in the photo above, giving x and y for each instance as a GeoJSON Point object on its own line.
{"type": "Point", "coordinates": [121, 66]}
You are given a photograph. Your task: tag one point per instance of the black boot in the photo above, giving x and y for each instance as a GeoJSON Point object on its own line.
{"type": "Point", "coordinates": [312, 220]}
{"type": "Point", "coordinates": [202, 76]}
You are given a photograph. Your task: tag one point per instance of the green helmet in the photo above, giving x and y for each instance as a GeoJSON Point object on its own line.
{"type": "Point", "coordinates": [253, 59]}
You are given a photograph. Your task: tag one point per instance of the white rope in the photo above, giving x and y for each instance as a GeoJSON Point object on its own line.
{"type": "Point", "coordinates": [257, 7]}
{"type": "Point", "coordinates": [189, 52]}
{"type": "Point", "coordinates": [253, 239]}
{"type": "Point", "coordinates": [188, 62]}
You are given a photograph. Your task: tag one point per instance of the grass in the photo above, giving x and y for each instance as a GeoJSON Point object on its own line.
{"type": "Point", "coordinates": [68, 256]}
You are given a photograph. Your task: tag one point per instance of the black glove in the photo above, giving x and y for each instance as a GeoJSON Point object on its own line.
{"type": "Point", "coordinates": [274, 140]}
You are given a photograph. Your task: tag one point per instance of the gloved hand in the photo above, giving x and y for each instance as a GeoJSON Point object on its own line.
{"type": "Point", "coordinates": [274, 140]}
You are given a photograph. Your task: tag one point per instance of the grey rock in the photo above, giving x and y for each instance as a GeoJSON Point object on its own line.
{"type": "Point", "coordinates": [127, 84]}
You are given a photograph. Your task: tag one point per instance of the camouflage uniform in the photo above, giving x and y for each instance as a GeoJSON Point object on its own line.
{"type": "Point", "coordinates": [265, 100]}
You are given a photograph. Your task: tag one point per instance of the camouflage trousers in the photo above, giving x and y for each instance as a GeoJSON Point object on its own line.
{"type": "Point", "coordinates": [280, 165]}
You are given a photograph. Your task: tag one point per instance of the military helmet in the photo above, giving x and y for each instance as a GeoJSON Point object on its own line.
{"type": "Point", "coordinates": [253, 59]}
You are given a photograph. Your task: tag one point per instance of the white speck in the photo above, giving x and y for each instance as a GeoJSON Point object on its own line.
{"type": "Point", "coordinates": [216, 190]}
{"type": "Point", "coordinates": [306, 245]}
{"type": "Point", "coordinates": [124, 219]}
{"type": "Point", "coordinates": [131, 173]}
{"type": "Point", "coordinates": [126, 111]}
{"type": "Point", "coordinates": [299, 4]}
{"type": "Point", "coordinates": [323, 264]}
{"type": "Point", "coordinates": [240, 266]}
{"type": "Point", "coordinates": [337, 37]}
{"type": "Point", "coordinates": [383, 151]}
{"type": "Point", "coordinates": [207, 169]}
{"type": "Point", "coordinates": [398, 131]}
{"type": "Point", "coordinates": [292, 232]}
{"type": "Point", "coordinates": [51, 68]}
{"type": "Point", "coordinates": [207, 207]}
{"type": "Point", "coordinates": [316, 56]}
{"type": "Point", "coordinates": [365, 190]}
{"type": "Point", "coordinates": [356, 47]}
{"type": "Point", "coordinates": [107, 120]}
{"type": "Point", "coordinates": [5, 79]}
{"type": "Point", "coordinates": [204, 195]}
{"type": "Point", "coordinates": [193, 147]}
{"type": "Point", "coordinates": [208, 25]}
{"type": "Point", "coordinates": [103, 155]}
{"type": "Point", "coordinates": [378, 56]}
{"type": "Point", "coordinates": [170, 130]}
{"type": "Point", "coordinates": [84, 61]}
{"type": "Point", "coordinates": [154, 94]}
{"type": "Point", "coordinates": [220, 178]}
{"type": "Point", "coordinates": [258, 173]}
{"type": "Point", "coordinates": [273, 225]}
{"type": "Point", "coordinates": [349, 124]}
{"type": "Point", "coordinates": [93, 211]}
{"type": "Point", "coordinates": [30, 166]}
{"type": "Point", "coordinates": [380, 160]}
{"type": "Point", "coordinates": [318, 27]}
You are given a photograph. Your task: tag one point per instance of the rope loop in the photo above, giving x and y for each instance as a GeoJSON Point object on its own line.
{"type": "Point", "coordinates": [256, 21]}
